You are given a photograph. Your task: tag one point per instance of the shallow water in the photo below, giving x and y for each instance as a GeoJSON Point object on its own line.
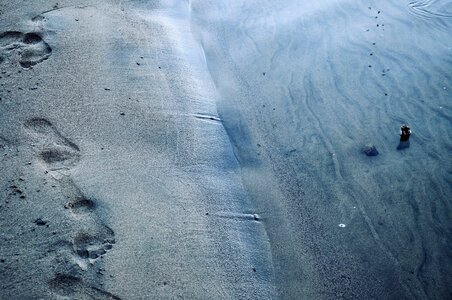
{"type": "Point", "coordinates": [303, 87]}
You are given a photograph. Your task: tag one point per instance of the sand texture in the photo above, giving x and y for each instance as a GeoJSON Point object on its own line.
{"type": "Point", "coordinates": [200, 149]}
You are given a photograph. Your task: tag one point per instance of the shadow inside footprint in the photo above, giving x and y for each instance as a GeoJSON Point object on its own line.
{"type": "Point", "coordinates": [81, 205]}
{"type": "Point", "coordinates": [32, 38]}
{"type": "Point", "coordinates": [51, 156]}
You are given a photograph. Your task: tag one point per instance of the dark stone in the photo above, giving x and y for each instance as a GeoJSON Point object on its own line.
{"type": "Point", "coordinates": [370, 150]}
{"type": "Point", "coordinates": [40, 222]}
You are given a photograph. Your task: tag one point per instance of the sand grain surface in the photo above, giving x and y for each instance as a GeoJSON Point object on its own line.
{"type": "Point", "coordinates": [216, 149]}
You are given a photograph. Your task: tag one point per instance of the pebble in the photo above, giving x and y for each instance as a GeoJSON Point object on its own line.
{"type": "Point", "coordinates": [40, 222]}
{"type": "Point", "coordinates": [370, 150]}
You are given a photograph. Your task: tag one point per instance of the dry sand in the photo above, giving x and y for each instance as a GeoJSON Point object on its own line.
{"type": "Point", "coordinates": [213, 149]}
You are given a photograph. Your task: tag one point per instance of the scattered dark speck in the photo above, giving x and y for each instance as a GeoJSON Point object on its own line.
{"type": "Point", "coordinates": [254, 269]}
{"type": "Point", "coordinates": [207, 214]}
{"type": "Point", "coordinates": [165, 283]}
{"type": "Point", "coordinates": [22, 197]}
{"type": "Point", "coordinates": [370, 66]}
{"type": "Point", "coordinates": [263, 73]}
{"type": "Point", "coordinates": [373, 44]}
{"type": "Point", "coordinates": [122, 114]}
{"type": "Point", "coordinates": [371, 54]}
{"type": "Point", "coordinates": [138, 63]}
{"type": "Point", "coordinates": [386, 94]}
{"type": "Point", "coordinates": [160, 67]}
{"type": "Point", "coordinates": [107, 89]}
{"type": "Point", "coordinates": [378, 11]}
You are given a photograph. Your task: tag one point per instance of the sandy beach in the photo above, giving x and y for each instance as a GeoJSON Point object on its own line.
{"type": "Point", "coordinates": [199, 149]}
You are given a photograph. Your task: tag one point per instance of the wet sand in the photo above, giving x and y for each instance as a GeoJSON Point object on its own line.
{"type": "Point", "coordinates": [204, 149]}
{"type": "Point", "coordinates": [304, 86]}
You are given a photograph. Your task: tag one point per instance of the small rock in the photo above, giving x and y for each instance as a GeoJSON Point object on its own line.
{"type": "Point", "coordinates": [40, 222]}
{"type": "Point", "coordinates": [370, 150]}
{"type": "Point", "coordinates": [122, 114]}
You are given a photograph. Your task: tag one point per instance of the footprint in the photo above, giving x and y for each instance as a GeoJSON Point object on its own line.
{"type": "Point", "coordinates": [74, 288]}
{"type": "Point", "coordinates": [57, 152]}
{"type": "Point", "coordinates": [93, 245]}
{"type": "Point", "coordinates": [89, 238]}
{"type": "Point", "coordinates": [27, 49]}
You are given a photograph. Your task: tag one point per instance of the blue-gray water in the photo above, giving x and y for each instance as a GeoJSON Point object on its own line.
{"type": "Point", "coordinates": [304, 85]}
